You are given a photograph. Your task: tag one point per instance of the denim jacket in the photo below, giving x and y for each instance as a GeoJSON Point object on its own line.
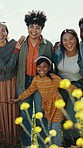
{"type": "Point", "coordinates": [81, 48]}
{"type": "Point", "coordinates": [58, 56]}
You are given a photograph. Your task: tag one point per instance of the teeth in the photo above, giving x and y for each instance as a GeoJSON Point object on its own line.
{"type": "Point", "coordinates": [41, 72]}
{"type": "Point", "coordinates": [69, 46]}
{"type": "Point", "coordinates": [33, 33]}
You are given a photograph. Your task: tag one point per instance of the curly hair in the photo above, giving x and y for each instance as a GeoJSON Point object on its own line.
{"type": "Point", "coordinates": [35, 17]}
{"type": "Point", "coordinates": [80, 22]}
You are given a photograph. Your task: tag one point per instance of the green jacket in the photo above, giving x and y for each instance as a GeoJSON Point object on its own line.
{"type": "Point", "coordinates": [45, 48]}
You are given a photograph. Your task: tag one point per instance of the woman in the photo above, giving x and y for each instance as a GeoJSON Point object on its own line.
{"type": "Point", "coordinates": [69, 65]}
{"type": "Point", "coordinates": [34, 46]}
{"type": "Point", "coordinates": [8, 67]}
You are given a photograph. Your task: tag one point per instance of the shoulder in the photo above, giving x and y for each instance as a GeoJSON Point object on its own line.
{"type": "Point", "coordinates": [12, 41]}
{"type": "Point", "coordinates": [55, 76]}
{"type": "Point", "coordinates": [36, 78]}
{"type": "Point", "coordinates": [46, 41]}
{"type": "Point", "coordinates": [11, 44]}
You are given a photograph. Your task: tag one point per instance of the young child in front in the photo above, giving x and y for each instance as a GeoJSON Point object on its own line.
{"type": "Point", "coordinates": [47, 84]}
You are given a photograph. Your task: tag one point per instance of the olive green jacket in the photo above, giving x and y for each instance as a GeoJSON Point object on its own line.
{"type": "Point", "coordinates": [45, 48]}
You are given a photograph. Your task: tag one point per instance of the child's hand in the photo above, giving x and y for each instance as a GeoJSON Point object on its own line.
{"type": "Point", "coordinates": [14, 100]}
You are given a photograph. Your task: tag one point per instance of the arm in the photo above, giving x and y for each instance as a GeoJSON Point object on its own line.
{"type": "Point", "coordinates": [29, 91]}
{"type": "Point", "coordinates": [7, 66]}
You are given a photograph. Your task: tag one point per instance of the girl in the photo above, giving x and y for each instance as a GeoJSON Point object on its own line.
{"type": "Point", "coordinates": [47, 84]}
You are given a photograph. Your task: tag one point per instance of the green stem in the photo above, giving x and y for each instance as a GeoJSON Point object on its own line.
{"type": "Point", "coordinates": [72, 98]}
{"type": "Point", "coordinates": [25, 130]}
{"type": "Point", "coordinates": [28, 116]}
{"type": "Point", "coordinates": [43, 127]}
{"type": "Point", "coordinates": [40, 137]}
{"type": "Point", "coordinates": [65, 113]}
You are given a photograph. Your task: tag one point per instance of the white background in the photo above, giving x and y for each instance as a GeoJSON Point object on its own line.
{"type": "Point", "coordinates": [61, 14]}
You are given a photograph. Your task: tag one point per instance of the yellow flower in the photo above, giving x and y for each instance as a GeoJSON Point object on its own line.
{"type": "Point", "coordinates": [68, 124]}
{"type": "Point", "coordinates": [65, 83]}
{"type": "Point", "coordinates": [47, 139]}
{"type": "Point", "coordinates": [52, 132]}
{"type": "Point", "coordinates": [37, 129]}
{"type": "Point", "coordinates": [79, 115]}
{"type": "Point", "coordinates": [53, 146]}
{"type": "Point", "coordinates": [77, 93]}
{"type": "Point", "coordinates": [77, 125]}
{"type": "Point", "coordinates": [39, 115]}
{"type": "Point", "coordinates": [78, 105]}
{"type": "Point", "coordinates": [24, 106]}
{"type": "Point", "coordinates": [79, 142]}
{"type": "Point", "coordinates": [34, 146]}
{"type": "Point", "coordinates": [18, 120]}
{"type": "Point", "coordinates": [59, 103]}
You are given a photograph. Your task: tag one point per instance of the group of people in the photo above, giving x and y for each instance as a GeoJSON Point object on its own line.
{"type": "Point", "coordinates": [30, 71]}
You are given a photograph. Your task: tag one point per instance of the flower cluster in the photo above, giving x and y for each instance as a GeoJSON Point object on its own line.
{"type": "Point", "coordinates": [60, 104]}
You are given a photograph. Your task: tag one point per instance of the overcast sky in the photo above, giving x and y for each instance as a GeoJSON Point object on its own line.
{"type": "Point", "coordinates": [61, 14]}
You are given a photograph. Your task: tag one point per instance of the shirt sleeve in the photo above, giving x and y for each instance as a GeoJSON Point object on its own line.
{"type": "Point", "coordinates": [8, 66]}
{"type": "Point", "coordinates": [29, 91]}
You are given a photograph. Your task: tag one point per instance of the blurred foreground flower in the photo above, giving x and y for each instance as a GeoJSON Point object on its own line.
{"type": "Point", "coordinates": [65, 83]}
{"type": "Point", "coordinates": [77, 93]}
{"type": "Point", "coordinates": [77, 125]}
{"type": "Point", "coordinates": [68, 124]}
{"type": "Point", "coordinates": [37, 129]}
{"type": "Point", "coordinates": [34, 146]}
{"type": "Point", "coordinates": [24, 106]}
{"type": "Point", "coordinates": [59, 103]}
{"type": "Point", "coordinates": [78, 105]}
{"type": "Point", "coordinates": [79, 142]}
{"type": "Point", "coordinates": [18, 120]}
{"type": "Point", "coordinates": [52, 132]}
{"type": "Point", "coordinates": [47, 140]}
{"type": "Point", "coordinates": [79, 115]}
{"type": "Point", "coordinates": [53, 146]}
{"type": "Point", "coordinates": [39, 115]}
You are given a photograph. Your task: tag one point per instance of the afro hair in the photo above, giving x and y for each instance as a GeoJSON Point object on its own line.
{"type": "Point", "coordinates": [35, 17]}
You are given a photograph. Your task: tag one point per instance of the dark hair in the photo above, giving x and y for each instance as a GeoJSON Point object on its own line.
{"type": "Point", "coordinates": [39, 61]}
{"type": "Point", "coordinates": [80, 22]}
{"type": "Point", "coordinates": [35, 17]}
{"type": "Point", "coordinates": [73, 32]}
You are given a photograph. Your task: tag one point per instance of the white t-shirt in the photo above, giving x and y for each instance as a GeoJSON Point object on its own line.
{"type": "Point", "coordinates": [68, 68]}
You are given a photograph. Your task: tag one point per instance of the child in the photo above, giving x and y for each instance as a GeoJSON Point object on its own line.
{"type": "Point", "coordinates": [47, 84]}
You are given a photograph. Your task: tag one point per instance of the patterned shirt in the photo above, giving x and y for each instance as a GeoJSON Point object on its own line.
{"type": "Point", "coordinates": [49, 91]}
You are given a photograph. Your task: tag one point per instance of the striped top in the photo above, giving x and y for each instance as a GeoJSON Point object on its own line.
{"type": "Point", "coordinates": [49, 91]}
{"type": "Point", "coordinates": [8, 61]}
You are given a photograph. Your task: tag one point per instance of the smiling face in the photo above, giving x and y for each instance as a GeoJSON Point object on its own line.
{"type": "Point", "coordinates": [34, 31]}
{"type": "Point", "coordinates": [69, 42]}
{"type": "Point", "coordinates": [43, 69]}
{"type": "Point", "coordinates": [3, 35]}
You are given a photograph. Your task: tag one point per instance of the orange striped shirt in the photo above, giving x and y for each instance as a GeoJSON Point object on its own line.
{"type": "Point", "coordinates": [49, 91]}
